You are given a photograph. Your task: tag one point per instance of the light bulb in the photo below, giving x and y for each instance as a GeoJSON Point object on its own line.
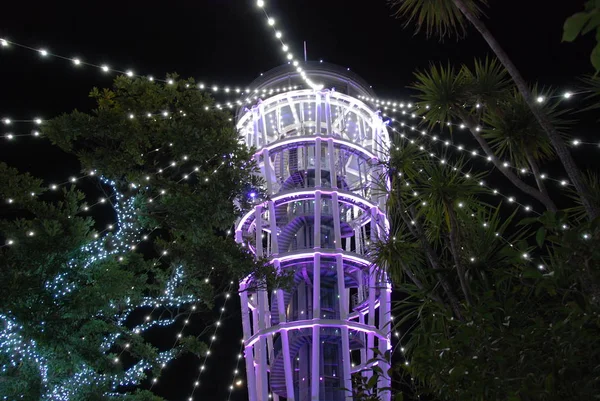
{"type": "Point", "coordinates": [43, 52]}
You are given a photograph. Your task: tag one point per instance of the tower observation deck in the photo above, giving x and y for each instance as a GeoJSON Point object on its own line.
{"type": "Point", "coordinates": [319, 153]}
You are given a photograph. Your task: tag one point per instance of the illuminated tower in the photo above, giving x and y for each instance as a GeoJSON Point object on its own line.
{"type": "Point", "coordinates": [319, 152]}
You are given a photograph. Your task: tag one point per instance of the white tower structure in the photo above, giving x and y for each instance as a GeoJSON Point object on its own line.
{"type": "Point", "coordinates": [319, 152]}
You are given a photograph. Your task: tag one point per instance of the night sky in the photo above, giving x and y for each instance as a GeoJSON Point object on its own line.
{"type": "Point", "coordinates": [227, 42]}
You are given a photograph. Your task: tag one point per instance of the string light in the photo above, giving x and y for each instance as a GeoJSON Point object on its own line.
{"type": "Point", "coordinates": [289, 56]}
{"type": "Point", "coordinates": [105, 68]}
{"type": "Point", "coordinates": [236, 371]}
{"type": "Point", "coordinates": [396, 103]}
{"type": "Point", "coordinates": [484, 224]}
{"type": "Point", "coordinates": [474, 153]}
{"type": "Point", "coordinates": [466, 175]}
{"type": "Point", "coordinates": [78, 62]}
{"type": "Point", "coordinates": [212, 341]}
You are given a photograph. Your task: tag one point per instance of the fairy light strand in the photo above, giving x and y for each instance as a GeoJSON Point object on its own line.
{"type": "Point", "coordinates": [510, 199]}
{"type": "Point", "coordinates": [476, 153]}
{"type": "Point", "coordinates": [289, 55]}
{"type": "Point", "coordinates": [213, 339]}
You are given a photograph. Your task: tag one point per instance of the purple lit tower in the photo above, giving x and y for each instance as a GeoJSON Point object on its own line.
{"type": "Point", "coordinates": [318, 152]}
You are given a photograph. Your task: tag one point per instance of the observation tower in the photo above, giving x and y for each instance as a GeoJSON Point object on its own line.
{"type": "Point", "coordinates": [318, 152]}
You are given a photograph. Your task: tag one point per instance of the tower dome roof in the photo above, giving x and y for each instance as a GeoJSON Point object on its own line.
{"type": "Point", "coordinates": [328, 74]}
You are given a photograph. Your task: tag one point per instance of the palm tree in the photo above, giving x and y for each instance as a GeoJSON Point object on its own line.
{"type": "Point", "coordinates": [446, 94]}
{"type": "Point", "coordinates": [428, 205]}
{"type": "Point", "coordinates": [593, 181]}
{"type": "Point", "coordinates": [514, 134]}
{"type": "Point", "coordinates": [443, 195]}
{"type": "Point", "coordinates": [405, 162]}
{"type": "Point", "coordinates": [448, 18]}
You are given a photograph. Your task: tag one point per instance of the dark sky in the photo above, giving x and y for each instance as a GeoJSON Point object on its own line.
{"type": "Point", "coordinates": [227, 42]}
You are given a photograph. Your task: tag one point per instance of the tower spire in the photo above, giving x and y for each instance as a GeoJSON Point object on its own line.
{"type": "Point", "coordinates": [305, 54]}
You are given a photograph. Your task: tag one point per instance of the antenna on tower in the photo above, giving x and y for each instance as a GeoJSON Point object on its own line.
{"type": "Point", "coordinates": [305, 58]}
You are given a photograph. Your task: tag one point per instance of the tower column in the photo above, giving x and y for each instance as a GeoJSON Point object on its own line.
{"type": "Point", "coordinates": [316, 335]}
{"type": "Point", "coordinates": [287, 365]}
{"type": "Point", "coordinates": [248, 354]}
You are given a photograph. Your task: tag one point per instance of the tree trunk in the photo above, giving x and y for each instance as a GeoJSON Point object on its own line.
{"type": "Point", "coordinates": [433, 260]}
{"type": "Point", "coordinates": [512, 177]}
{"type": "Point", "coordinates": [429, 252]}
{"type": "Point", "coordinates": [460, 269]}
{"type": "Point", "coordinates": [420, 285]}
{"type": "Point", "coordinates": [559, 145]}
{"type": "Point", "coordinates": [536, 174]}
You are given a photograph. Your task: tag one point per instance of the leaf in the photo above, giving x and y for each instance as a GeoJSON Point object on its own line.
{"type": "Point", "coordinates": [372, 382]}
{"type": "Point", "coordinates": [549, 383]}
{"type": "Point", "coordinates": [580, 300]}
{"type": "Point", "coordinates": [399, 397]}
{"type": "Point", "coordinates": [540, 236]}
{"type": "Point", "coordinates": [595, 56]}
{"type": "Point", "coordinates": [573, 26]}
{"type": "Point", "coordinates": [532, 273]}
{"type": "Point", "coordinates": [593, 23]}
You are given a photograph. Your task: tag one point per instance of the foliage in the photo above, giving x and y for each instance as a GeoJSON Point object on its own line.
{"type": "Point", "coordinates": [440, 17]}
{"type": "Point", "coordinates": [582, 23]}
{"type": "Point", "coordinates": [73, 298]}
{"type": "Point", "coordinates": [514, 133]}
{"type": "Point", "coordinates": [365, 381]}
{"type": "Point", "coordinates": [527, 323]}
{"type": "Point", "coordinates": [497, 116]}
{"type": "Point", "coordinates": [593, 184]}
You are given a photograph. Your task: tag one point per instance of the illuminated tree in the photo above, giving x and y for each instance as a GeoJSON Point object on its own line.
{"type": "Point", "coordinates": [77, 299]}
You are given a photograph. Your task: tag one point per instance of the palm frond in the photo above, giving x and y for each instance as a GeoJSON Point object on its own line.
{"type": "Point", "coordinates": [514, 133]}
{"type": "Point", "coordinates": [441, 18]}
{"type": "Point", "coordinates": [591, 84]}
{"type": "Point", "coordinates": [435, 187]}
{"type": "Point", "coordinates": [592, 180]}
{"type": "Point", "coordinates": [488, 81]}
{"type": "Point", "coordinates": [442, 92]}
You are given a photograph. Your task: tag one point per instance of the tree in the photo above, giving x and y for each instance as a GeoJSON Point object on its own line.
{"type": "Point", "coordinates": [76, 300]}
{"type": "Point", "coordinates": [514, 134]}
{"type": "Point", "coordinates": [448, 18]}
{"type": "Point", "coordinates": [529, 328]}
{"type": "Point", "coordinates": [446, 94]}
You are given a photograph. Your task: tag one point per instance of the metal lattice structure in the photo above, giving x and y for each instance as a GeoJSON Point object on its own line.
{"type": "Point", "coordinates": [319, 154]}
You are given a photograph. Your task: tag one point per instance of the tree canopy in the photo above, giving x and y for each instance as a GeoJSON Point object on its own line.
{"type": "Point", "coordinates": [77, 300]}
